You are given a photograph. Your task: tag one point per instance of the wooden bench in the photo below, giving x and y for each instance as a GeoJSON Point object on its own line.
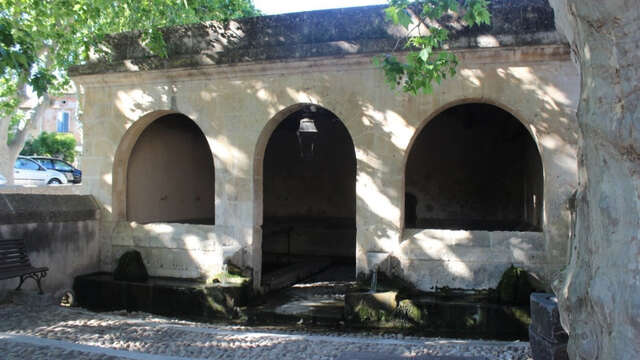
{"type": "Point", "coordinates": [14, 262]}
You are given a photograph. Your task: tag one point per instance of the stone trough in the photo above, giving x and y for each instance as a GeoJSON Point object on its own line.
{"type": "Point", "coordinates": [163, 296]}
{"type": "Point", "coordinates": [455, 315]}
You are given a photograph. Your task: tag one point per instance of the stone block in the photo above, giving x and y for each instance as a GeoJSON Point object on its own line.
{"type": "Point", "coordinates": [545, 318]}
{"type": "Point", "coordinates": [366, 307]}
{"type": "Point", "coordinates": [382, 356]}
{"type": "Point", "coordinates": [542, 349]}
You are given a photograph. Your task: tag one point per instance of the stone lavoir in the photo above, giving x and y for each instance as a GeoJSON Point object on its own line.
{"type": "Point", "coordinates": [273, 143]}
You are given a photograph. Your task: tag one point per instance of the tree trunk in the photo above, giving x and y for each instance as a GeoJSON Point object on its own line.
{"type": "Point", "coordinates": [599, 291]}
{"type": "Point", "coordinates": [9, 152]}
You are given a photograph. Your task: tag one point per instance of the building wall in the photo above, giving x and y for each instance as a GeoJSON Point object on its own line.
{"type": "Point", "coordinates": [49, 120]}
{"type": "Point", "coordinates": [61, 232]}
{"type": "Point", "coordinates": [238, 107]}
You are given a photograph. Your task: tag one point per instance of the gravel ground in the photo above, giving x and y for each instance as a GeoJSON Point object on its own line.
{"type": "Point", "coordinates": [37, 329]}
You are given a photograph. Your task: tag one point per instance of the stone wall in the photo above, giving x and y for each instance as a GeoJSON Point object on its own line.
{"type": "Point", "coordinates": [238, 106]}
{"type": "Point", "coordinates": [61, 232]}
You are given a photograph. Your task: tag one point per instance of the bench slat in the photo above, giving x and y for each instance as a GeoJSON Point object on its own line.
{"type": "Point", "coordinates": [24, 262]}
{"type": "Point", "coordinates": [12, 253]}
{"type": "Point", "coordinates": [14, 261]}
{"type": "Point", "coordinates": [13, 266]}
{"type": "Point", "coordinates": [11, 247]}
{"type": "Point", "coordinates": [11, 242]}
{"type": "Point", "coordinates": [14, 258]}
{"type": "Point", "coordinates": [21, 271]}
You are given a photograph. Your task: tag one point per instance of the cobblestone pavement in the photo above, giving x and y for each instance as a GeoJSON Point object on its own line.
{"type": "Point", "coordinates": [37, 330]}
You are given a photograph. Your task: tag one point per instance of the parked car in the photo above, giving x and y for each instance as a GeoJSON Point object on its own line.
{"type": "Point", "coordinates": [73, 175]}
{"type": "Point", "coordinates": [29, 172]}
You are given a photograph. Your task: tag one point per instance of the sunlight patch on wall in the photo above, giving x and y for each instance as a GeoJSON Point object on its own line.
{"type": "Point", "coordinates": [302, 97]}
{"type": "Point", "coordinates": [133, 104]}
{"type": "Point", "coordinates": [392, 123]}
{"type": "Point", "coordinates": [376, 201]}
{"type": "Point", "coordinates": [370, 158]}
{"type": "Point", "coordinates": [107, 178]}
{"type": "Point", "coordinates": [472, 76]}
{"type": "Point", "coordinates": [233, 159]}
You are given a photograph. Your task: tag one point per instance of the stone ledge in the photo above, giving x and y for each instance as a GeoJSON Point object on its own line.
{"type": "Point", "coordinates": [40, 208]}
{"type": "Point", "coordinates": [337, 32]}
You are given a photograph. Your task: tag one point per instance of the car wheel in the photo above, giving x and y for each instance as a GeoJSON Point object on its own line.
{"type": "Point", "coordinates": [54, 181]}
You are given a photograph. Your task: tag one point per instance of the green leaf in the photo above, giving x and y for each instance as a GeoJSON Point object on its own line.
{"type": "Point", "coordinates": [424, 53]}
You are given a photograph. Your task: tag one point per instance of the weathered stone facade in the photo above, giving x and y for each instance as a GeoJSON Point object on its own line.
{"type": "Point", "coordinates": [238, 82]}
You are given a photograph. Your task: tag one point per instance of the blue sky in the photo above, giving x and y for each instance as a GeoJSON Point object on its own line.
{"type": "Point", "coordinates": [270, 7]}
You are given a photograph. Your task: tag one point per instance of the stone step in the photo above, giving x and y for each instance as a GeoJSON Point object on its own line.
{"type": "Point", "coordinates": [292, 274]}
{"type": "Point", "coordinates": [381, 356]}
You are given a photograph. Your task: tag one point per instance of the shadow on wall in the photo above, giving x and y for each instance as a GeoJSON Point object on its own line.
{"type": "Point", "coordinates": [382, 138]}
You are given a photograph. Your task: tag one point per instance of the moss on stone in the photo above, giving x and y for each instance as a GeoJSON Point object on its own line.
{"type": "Point", "coordinates": [367, 314]}
{"type": "Point", "coordinates": [410, 311]}
{"type": "Point", "coordinates": [522, 315]}
{"type": "Point", "coordinates": [514, 287]}
{"type": "Point", "coordinates": [131, 268]}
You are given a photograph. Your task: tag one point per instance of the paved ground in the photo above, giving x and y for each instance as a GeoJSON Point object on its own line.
{"type": "Point", "coordinates": [31, 328]}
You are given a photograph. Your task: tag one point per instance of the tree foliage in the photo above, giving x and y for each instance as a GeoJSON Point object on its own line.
{"type": "Point", "coordinates": [52, 144]}
{"type": "Point", "coordinates": [40, 39]}
{"type": "Point", "coordinates": [426, 62]}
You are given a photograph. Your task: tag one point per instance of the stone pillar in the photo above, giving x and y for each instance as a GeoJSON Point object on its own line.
{"type": "Point", "coordinates": [547, 338]}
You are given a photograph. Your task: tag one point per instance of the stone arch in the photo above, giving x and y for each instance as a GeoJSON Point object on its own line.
{"type": "Point", "coordinates": [146, 151]}
{"type": "Point", "coordinates": [530, 172]}
{"type": "Point", "coordinates": [274, 132]}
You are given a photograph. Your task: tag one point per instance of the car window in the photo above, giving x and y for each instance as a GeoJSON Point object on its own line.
{"type": "Point", "coordinates": [46, 163]}
{"type": "Point", "coordinates": [26, 164]}
{"type": "Point", "coordinates": [61, 165]}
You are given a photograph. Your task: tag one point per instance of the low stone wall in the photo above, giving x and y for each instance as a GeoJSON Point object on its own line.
{"type": "Point", "coordinates": [432, 258]}
{"type": "Point", "coordinates": [60, 232]}
{"type": "Point", "coordinates": [176, 249]}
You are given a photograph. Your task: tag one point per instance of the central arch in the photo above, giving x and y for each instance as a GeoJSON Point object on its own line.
{"type": "Point", "coordinates": [308, 202]}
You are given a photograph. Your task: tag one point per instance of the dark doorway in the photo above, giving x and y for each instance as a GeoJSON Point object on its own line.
{"type": "Point", "coordinates": [474, 167]}
{"type": "Point", "coordinates": [309, 193]}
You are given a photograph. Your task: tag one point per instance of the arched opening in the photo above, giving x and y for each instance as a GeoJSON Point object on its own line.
{"type": "Point", "coordinates": [170, 174]}
{"type": "Point", "coordinates": [474, 167]}
{"type": "Point", "coordinates": [309, 201]}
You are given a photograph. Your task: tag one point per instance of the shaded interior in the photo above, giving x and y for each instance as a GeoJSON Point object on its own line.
{"type": "Point", "coordinates": [170, 175]}
{"type": "Point", "coordinates": [309, 203]}
{"type": "Point", "coordinates": [474, 167]}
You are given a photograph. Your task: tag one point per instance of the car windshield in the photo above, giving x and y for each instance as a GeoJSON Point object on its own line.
{"type": "Point", "coordinates": [26, 164]}
{"type": "Point", "coordinates": [61, 165]}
